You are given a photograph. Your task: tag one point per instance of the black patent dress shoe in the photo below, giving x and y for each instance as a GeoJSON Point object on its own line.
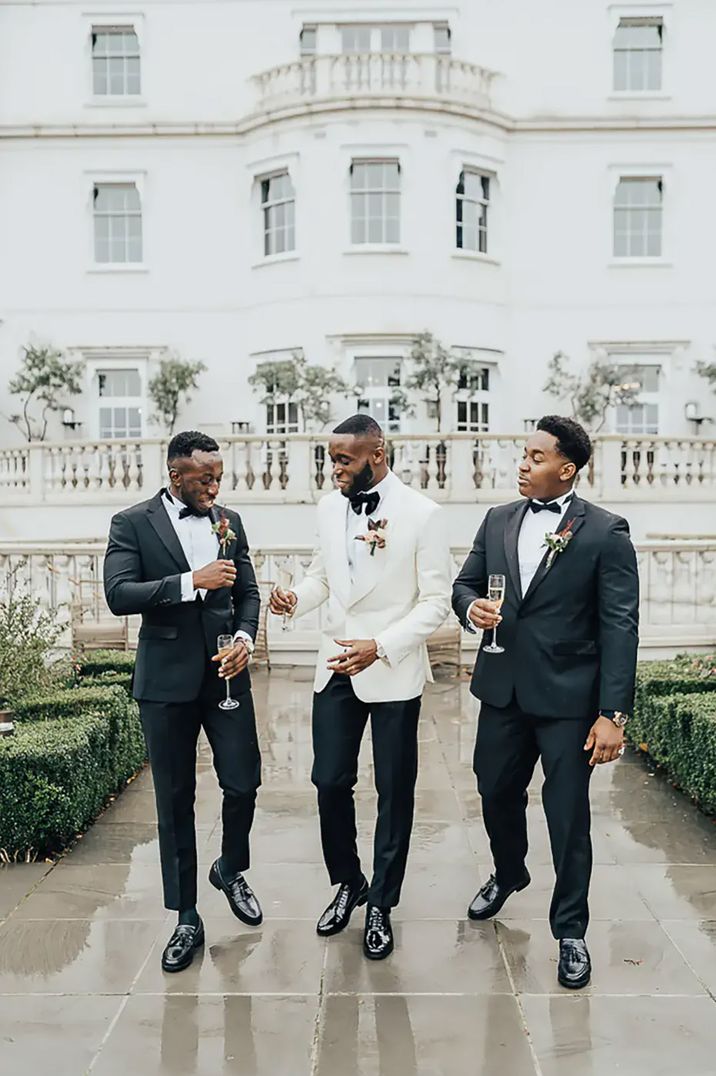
{"type": "Point", "coordinates": [337, 915]}
{"type": "Point", "coordinates": [492, 896]}
{"type": "Point", "coordinates": [239, 894]}
{"type": "Point", "coordinates": [179, 950]}
{"type": "Point", "coordinates": [378, 937]}
{"type": "Point", "coordinates": [575, 967]}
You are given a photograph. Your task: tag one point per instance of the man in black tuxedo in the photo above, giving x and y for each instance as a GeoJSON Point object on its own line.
{"type": "Point", "coordinates": [563, 686]}
{"type": "Point", "coordinates": [183, 563]}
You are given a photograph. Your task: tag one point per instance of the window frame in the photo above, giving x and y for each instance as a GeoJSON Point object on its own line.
{"type": "Point", "coordinates": [629, 208]}
{"type": "Point", "coordinates": [107, 57]}
{"type": "Point", "coordinates": [482, 226]}
{"type": "Point", "coordinates": [377, 392]}
{"type": "Point", "coordinates": [94, 22]}
{"type": "Point", "coordinates": [110, 214]}
{"type": "Point", "coordinates": [365, 193]}
{"type": "Point", "coordinates": [633, 21]}
{"type": "Point", "coordinates": [268, 206]}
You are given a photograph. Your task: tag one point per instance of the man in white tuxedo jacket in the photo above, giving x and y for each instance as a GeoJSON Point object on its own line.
{"type": "Point", "coordinates": [383, 567]}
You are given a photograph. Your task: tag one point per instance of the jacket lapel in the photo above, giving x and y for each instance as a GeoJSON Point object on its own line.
{"type": "Point", "coordinates": [512, 534]}
{"type": "Point", "coordinates": [162, 524]}
{"type": "Point", "coordinates": [372, 569]}
{"type": "Point", "coordinates": [574, 514]}
{"type": "Point", "coordinates": [336, 548]}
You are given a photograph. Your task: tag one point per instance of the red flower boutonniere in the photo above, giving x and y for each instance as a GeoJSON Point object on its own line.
{"type": "Point", "coordinates": [223, 532]}
{"type": "Point", "coordinates": [558, 542]}
{"type": "Point", "coordinates": [375, 536]}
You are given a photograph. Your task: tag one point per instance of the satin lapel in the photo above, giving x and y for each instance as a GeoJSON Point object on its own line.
{"type": "Point", "coordinates": [162, 524]}
{"type": "Point", "coordinates": [512, 534]}
{"type": "Point", "coordinates": [373, 568]}
{"type": "Point", "coordinates": [335, 549]}
{"type": "Point", "coordinates": [573, 515]}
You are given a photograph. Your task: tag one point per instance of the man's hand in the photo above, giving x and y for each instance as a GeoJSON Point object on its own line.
{"type": "Point", "coordinates": [235, 662]}
{"type": "Point", "coordinates": [282, 602]}
{"type": "Point", "coordinates": [605, 741]}
{"type": "Point", "coordinates": [214, 576]}
{"type": "Point", "coordinates": [484, 614]}
{"type": "Point", "coordinates": [361, 654]}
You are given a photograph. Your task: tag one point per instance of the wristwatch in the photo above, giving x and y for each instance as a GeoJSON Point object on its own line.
{"type": "Point", "coordinates": [242, 637]}
{"type": "Point", "coordinates": [620, 719]}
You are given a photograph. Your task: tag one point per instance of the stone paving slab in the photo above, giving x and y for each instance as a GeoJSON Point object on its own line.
{"type": "Point", "coordinates": [81, 989]}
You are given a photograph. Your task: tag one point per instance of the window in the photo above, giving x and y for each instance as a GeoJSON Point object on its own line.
{"type": "Point", "coordinates": [442, 38]}
{"type": "Point", "coordinates": [637, 54]}
{"type": "Point", "coordinates": [395, 38]}
{"type": "Point", "coordinates": [474, 379]}
{"type": "Point", "coordinates": [472, 416]}
{"type": "Point", "coordinates": [355, 38]}
{"type": "Point", "coordinates": [638, 217]}
{"type": "Point", "coordinates": [278, 205]}
{"type": "Point", "coordinates": [117, 223]}
{"type": "Point", "coordinates": [122, 417]}
{"type": "Point", "coordinates": [642, 416]}
{"type": "Point", "coordinates": [379, 378]}
{"type": "Point", "coordinates": [375, 202]}
{"type": "Point", "coordinates": [473, 404]}
{"type": "Point", "coordinates": [472, 200]}
{"type": "Point", "coordinates": [282, 417]}
{"type": "Point", "coordinates": [307, 39]}
{"type": "Point", "coordinates": [115, 61]}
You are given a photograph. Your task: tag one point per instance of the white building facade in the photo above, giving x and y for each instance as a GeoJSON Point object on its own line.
{"type": "Point", "coordinates": [240, 182]}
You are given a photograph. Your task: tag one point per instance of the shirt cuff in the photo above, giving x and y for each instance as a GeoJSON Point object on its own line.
{"type": "Point", "coordinates": [188, 591]}
{"type": "Point", "coordinates": [469, 626]}
{"type": "Point", "coordinates": [246, 638]}
{"type": "Point", "coordinates": [380, 650]}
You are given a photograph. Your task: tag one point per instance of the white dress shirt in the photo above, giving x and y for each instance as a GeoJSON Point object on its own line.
{"type": "Point", "coordinates": [531, 547]}
{"type": "Point", "coordinates": [200, 545]}
{"type": "Point", "coordinates": [356, 551]}
{"type": "Point", "coordinates": [198, 541]}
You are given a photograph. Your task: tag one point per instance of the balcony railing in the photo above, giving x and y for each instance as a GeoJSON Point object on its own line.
{"type": "Point", "coordinates": [352, 76]}
{"type": "Point", "coordinates": [678, 581]}
{"type": "Point", "coordinates": [457, 467]}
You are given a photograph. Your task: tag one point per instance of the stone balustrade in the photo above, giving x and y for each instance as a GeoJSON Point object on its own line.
{"type": "Point", "coordinates": [678, 589]}
{"type": "Point", "coordinates": [454, 468]}
{"type": "Point", "coordinates": [353, 76]}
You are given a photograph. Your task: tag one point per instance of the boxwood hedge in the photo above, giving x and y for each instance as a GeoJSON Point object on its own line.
{"type": "Point", "coordinates": [674, 723]}
{"type": "Point", "coordinates": [72, 749]}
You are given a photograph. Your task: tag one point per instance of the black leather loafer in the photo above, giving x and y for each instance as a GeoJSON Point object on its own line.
{"type": "Point", "coordinates": [378, 937]}
{"type": "Point", "coordinates": [575, 966]}
{"type": "Point", "coordinates": [179, 950]}
{"type": "Point", "coordinates": [337, 915]}
{"type": "Point", "coordinates": [239, 894]}
{"type": "Point", "coordinates": [492, 896]}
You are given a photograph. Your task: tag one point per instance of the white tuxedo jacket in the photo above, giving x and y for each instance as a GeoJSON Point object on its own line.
{"type": "Point", "coordinates": [399, 596]}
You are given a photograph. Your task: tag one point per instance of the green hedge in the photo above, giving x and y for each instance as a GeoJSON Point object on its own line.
{"type": "Point", "coordinates": [674, 723]}
{"type": "Point", "coordinates": [101, 663]}
{"type": "Point", "coordinates": [70, 752]}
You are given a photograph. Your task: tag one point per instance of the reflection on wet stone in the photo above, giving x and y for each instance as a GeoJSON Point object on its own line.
{"type": "Point", "coordinates": [80, 944]}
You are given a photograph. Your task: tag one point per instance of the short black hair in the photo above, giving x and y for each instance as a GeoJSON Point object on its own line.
{"type": "Point", "coordinates": [360, 426]}
{"type": "Point", "coordinates": [183, 444]}
{"type": "Point", "coordinates": [572, 439]}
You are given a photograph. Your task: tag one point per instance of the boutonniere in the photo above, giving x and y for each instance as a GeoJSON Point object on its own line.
{"type": "Point", "coordinates": [375, 536]}
{"type": "Point", "coordinates": [223, 532]}
{"type": "Point", "coordinates": [558, 542]}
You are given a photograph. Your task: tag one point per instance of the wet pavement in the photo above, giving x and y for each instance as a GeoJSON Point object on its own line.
{"type": "Point", "coordinates": [80, 942]}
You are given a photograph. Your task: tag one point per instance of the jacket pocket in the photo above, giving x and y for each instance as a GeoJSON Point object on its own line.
{"type": "Point", "coordinates": [159, 631]}
{"type": "Point", "coordinates": [582, 647]}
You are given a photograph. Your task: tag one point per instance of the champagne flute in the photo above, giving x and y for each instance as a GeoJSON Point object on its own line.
{"type": "Point", "coordinates": [285, 579]}
{"type": "Point", "coordinates": [224, 646]}
{"type": "Point", "coordinates": [495, 593]}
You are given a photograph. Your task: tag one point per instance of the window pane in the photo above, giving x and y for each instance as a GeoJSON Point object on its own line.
{"type": "Point", "coordinates": [442, 39]}
{"type": "Point", "coordinates": [308, 40]}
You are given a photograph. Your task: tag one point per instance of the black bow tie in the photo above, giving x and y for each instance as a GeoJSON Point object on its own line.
{"type": "Point", "coordinates": [553, 506]}
{"type": "Point", "coordinates": [187, 510]}
{"type": "Point", "coordinates": [370, 500]}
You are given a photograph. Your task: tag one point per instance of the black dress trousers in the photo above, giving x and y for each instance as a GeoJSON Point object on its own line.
{"type": "Point", "coordinates": [509, 743]}
{"type": "Point", "coordinates": [339, 719]}
{"type": "Point", "coordinates": [172, 731]}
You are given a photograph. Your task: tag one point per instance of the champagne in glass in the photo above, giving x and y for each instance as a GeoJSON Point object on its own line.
{"type": "Point", "coordinates": [224, 646]}
{"type": "Point", "coordinates": [285, 579]}
{"type": "Point", "coordinates": [496, 594]}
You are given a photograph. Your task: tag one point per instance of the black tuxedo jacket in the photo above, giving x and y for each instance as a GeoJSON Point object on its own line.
{"type": "Point", "coordinates": [570, 641]}
{"type": "Point", "coordinates": [142, 574]}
